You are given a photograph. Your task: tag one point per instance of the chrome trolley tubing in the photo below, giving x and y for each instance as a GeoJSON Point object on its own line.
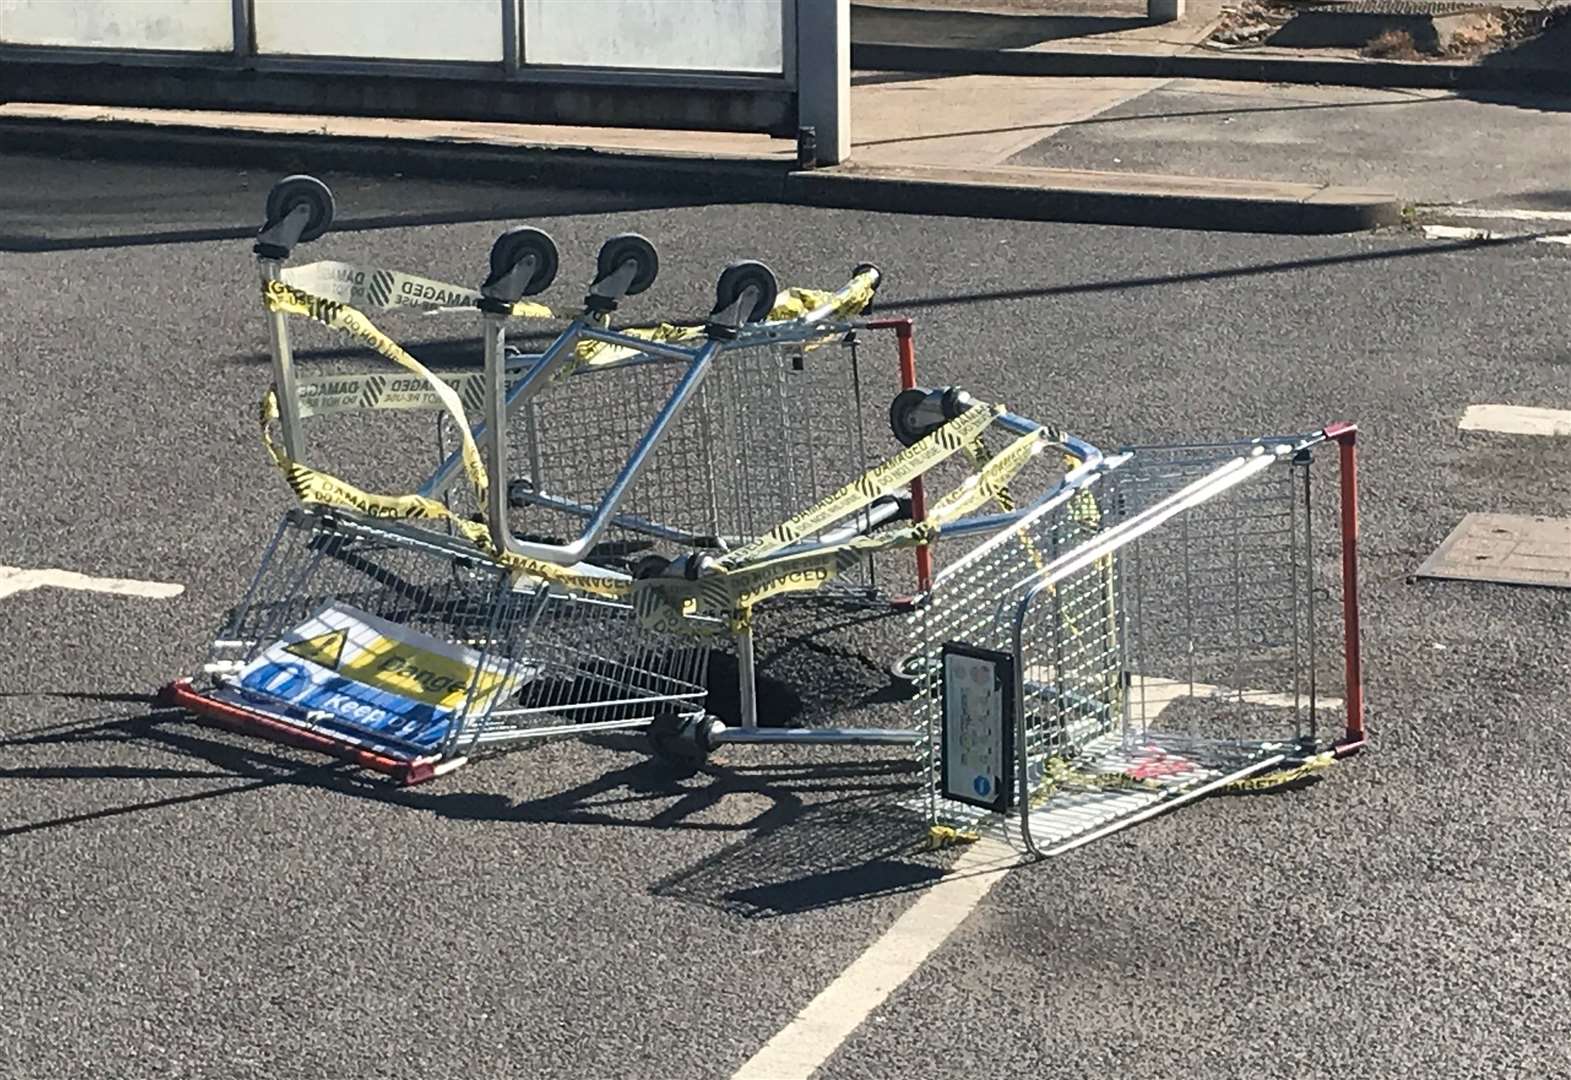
{"type": "Point", "coordinates": [1223, 478]}
{"type": "Point", "coordinates": [502, 401]}
{"type": "Point", "coordinates": [805, 328]}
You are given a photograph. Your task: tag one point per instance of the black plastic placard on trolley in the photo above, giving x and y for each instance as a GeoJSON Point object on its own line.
{"type": "Point", "coordinates": [977, 738]}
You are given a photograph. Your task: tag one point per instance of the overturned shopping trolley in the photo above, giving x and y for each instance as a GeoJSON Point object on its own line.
{"type": "Point", "coordinates": [1181, 621]}
{"type": "Point", "coordinates": [499, 602]}
{"type": "Point", "coordinates": [628, 499]}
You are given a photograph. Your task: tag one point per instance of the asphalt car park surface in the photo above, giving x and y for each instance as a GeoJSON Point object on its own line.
{"type": "Point", "coordinates": [184, 902]}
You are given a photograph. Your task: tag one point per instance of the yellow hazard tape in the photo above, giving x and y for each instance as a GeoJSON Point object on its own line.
{"type": "Point", "coordinates": [881, 480]}
{"type": "Point", "coordinates": [280, 297]}
{"type": "Point", "coordinates": [989, 482]}
{"type": "Point", "coordinates": [353, 285]}
{"type": "Point", "coordinates": [943, 836]}
{"type": "Point", "coordinates": [791, 303]}
{"type": "Point", "coordinates": [725, 595]}
{"type": "Point", "coordinates": [314, 486]}
{"type": "Point", "coordinates": [378, 287]}
{"type": "Point", "coordinates": [596, 353]}
{"type": "Point", "coordinates": [1279, 778]}
{"type": "Point", "coordinates": [1057, 774]}
{"type": "Point", "coordinates": [731, 592]}
{"type": "Point", "coordinates": [337, 394]}
{"type": "Point", "coordinates": [848, 302]}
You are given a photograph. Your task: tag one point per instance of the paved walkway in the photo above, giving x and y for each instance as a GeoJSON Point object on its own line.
{"type": "Point", "coordinates": [965, 120]}
{"type": "Point", "coordinates": [1160, 134]}
{"type": "Point", "coordinates": [1089, 25]}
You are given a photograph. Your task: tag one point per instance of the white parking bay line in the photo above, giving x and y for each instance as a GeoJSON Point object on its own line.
{"type": "Point", "coordinates": [1516, 420]}
{"type": "Point", "coordinates": [1504, 213]}
{"type": "Point", "coordinates": [14, 579]}
{"type": "Point", "coordinates": [1463, 232]}
{"type": "Point", "coordinates": [818, 1030]}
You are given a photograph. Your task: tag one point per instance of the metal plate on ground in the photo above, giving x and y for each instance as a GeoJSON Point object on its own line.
{"type": "Point", "coordinates": [1516, 420]}
{"type": "Point", "coordinates": [1507, 549]}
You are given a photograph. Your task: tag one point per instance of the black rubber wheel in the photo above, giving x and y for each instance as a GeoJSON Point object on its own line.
{"type": "Point", "coordinates": [618, 250]}
{"type": "Point", "coordinates": [862, 268]}
{"type": "Point", "coordinates": [900, 409]}
{"type": "Point", "coordinates": [736, 279]}
{"type": "Point", "coordinates": [650, 566]}
{"type": "Point", "coordinates": [514, 245]}
{"type": "Point", "coordinates": [291, 192]}
{"type": "Point", "coordinates": [680, 740]}
{"type": "Point", "coordinates": [910, 672]}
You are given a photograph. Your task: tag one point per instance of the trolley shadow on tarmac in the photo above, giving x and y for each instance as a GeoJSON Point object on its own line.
{"type": "Point", "coordinates": [34, 222]}
{"type": "Point", "coordinates": [831, 855]}
{"type": "Point", "coordinates": [830, 833]}
{"type": "Point", "coordinates": [905, 304]}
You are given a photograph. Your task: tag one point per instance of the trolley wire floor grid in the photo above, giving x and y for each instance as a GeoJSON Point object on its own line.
{"type": "Point", "coordinates": [1167, 773]}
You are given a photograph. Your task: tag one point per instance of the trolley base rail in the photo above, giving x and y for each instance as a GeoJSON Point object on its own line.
{"type": "Point", "coordinates": [289, 731]}
{"type": "Point", "coordinates": [1074, 816]}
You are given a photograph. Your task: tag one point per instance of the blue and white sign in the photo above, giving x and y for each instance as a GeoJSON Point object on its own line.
{"type": "Point", "coordinates": [374, 682]}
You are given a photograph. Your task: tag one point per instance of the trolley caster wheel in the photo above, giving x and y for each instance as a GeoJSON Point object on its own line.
{"type": "Point", "coordinates": [513, 246]}
{"type": "Point", "coordinates": [650, 566]}
{"type": "Point", "coordinates": [903, 422]}
{"type": "Point", "coordinates": [682, 740]}
{"type": "Point", "coordinates": [737, 279]}
{"type": "Point", "coordinates": [910, 673]}
{"type": "Point", "coordinates": [629, 248]}
{"type": "Point", "coordinates": [292, 192]}
{"type": "Point", "coordinates": [869, 268]}
{"type": "Point", "coordinates": [916, 413]}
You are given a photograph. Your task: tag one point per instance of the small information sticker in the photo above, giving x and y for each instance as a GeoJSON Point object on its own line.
{"type": "Point", "coordinates": [978, 725]}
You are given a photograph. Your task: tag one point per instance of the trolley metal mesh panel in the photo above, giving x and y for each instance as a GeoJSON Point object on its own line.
{"type": "Point", "coordinates": [1068, 651]}
{"type": "Point", "coordinates": [1162, 631]}
{"type": "Point", "coordinates": [567, 661]}
{"type": "Point", "coordinates": [568, 444]}
{"type": "Point", "coordinates": [791, 431]}
{"type": "Point", "coordinates": [1223, 604]}
{"type": "Point", "coordinates": [771, 431]}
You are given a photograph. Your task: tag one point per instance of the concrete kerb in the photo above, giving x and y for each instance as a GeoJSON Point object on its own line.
{"type": "Point", "coordinates": [707, 176]}
{"type": "Point", "coordinates": [1374, 74]}
{"type": "Point", "coordinates": [1098, 199]}
{"type": "Point", "coordinates": [1011, 193]}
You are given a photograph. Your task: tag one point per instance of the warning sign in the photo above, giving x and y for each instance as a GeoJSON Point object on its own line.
{"type": "Point", "coordinates": [324, 649]}
{"type": "Point", "coordinates": [367, 677]}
